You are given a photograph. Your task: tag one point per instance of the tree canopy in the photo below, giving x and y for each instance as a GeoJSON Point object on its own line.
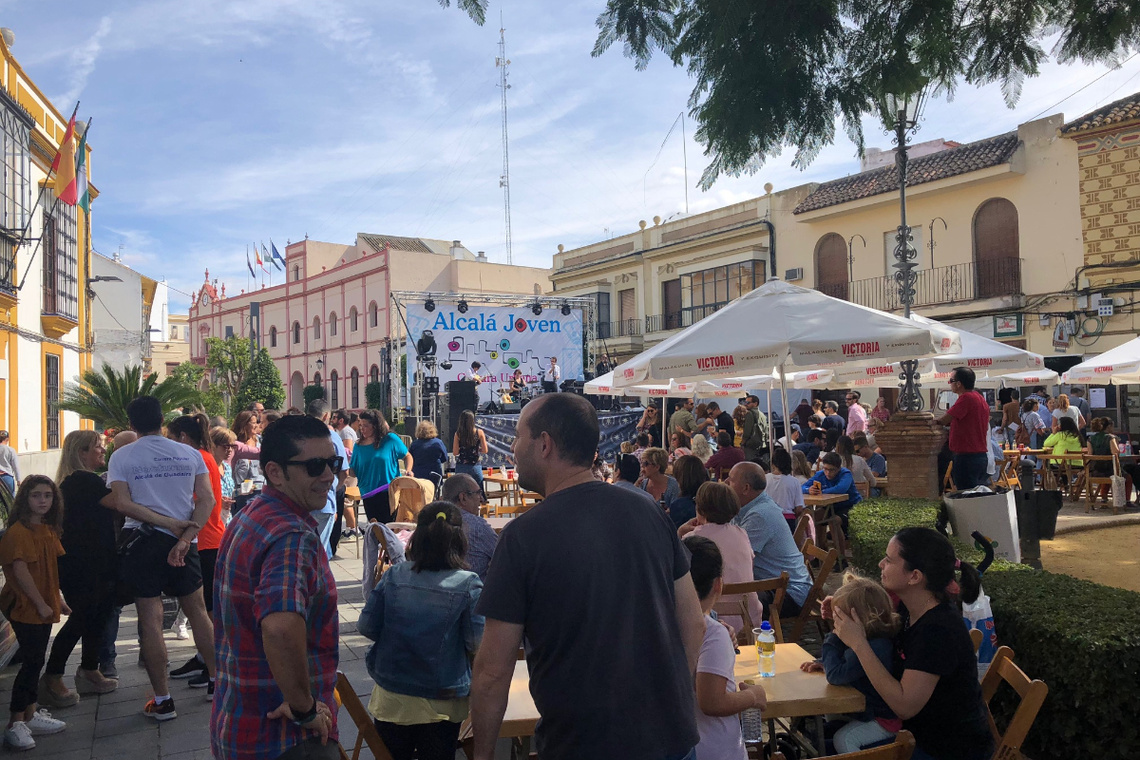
{"type": "Point", "coordinates": [261, 384]}
{"type": "Point", "coordinates": [229, 359]}
{"type": "Point", "coordinates": [771, 74]}
{"type": "Point", "coordinates": [102, 395]}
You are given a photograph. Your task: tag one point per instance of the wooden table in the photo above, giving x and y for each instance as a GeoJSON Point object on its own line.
{"type": "Point", "coordinates": [791, 692]}
{"type": "Point", "coordinates": [508, 484]}
{"type": "Point", "coordinates": [498, 523]}
{"type": "Point", "coordinates": [824, 499]}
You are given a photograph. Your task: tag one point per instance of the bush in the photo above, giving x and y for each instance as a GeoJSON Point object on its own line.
{"type": "Point", "coordinates": [1082, 639]}
{"type": "Point", "coordinates": [261, 384]}
{"type": "Point", "coordinates": [312, 393]}
{"type": "Point", "coordinates": [375, 395]}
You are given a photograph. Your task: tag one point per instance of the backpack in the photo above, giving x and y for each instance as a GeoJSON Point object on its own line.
{"type": "Point", "coordinates": [1021, 437]}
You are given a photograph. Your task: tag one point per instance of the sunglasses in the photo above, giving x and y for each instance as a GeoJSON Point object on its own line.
{"type": "Point", "coordinates": [316, 467]}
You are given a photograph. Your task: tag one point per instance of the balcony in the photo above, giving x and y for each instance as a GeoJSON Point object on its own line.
{"type": "Point", "coordinates": [971, 281]}
{"type": "Point", "coordinates": [686, 317]}
{"type": "Point", "coordinates": [621, 329]}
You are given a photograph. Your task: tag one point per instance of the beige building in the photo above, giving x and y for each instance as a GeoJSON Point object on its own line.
{"type": "Point", "coordinates": [996, 224]}
{"type": "Point", "coordinates": [330, 322]}
{"type": "Point", "coordinates": [173, 348]}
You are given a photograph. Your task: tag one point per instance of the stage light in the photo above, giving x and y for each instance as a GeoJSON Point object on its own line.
{"type": "Point", "coordinates": [462, 305]}
{"type": "Point", "coordinates": [565, 309]}
{"type": "Point", "coordinates": [445, 365]}
{"type": "Point", "coordinates": [536, 308]}
{"type": "Point", "coordinates": [425, 346]}
{"type": "Point", "coordinates": [429, 305]}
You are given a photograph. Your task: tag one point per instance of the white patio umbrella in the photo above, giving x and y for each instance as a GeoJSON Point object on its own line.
{"type": "Point", "coordinates": [604, 386]}
{"type": "Point", "coordinates": [1117, 366]}
{"type": "Point", "coordinates": [779, 326]}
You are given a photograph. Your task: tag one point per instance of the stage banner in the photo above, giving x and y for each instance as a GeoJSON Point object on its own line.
{"type": "Point", "coordinates": [500, 431]}
{"type": "Point", "coordinates": [501, 338]}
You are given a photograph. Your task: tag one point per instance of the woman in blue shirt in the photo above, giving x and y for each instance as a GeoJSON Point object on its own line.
{"type": "Point", "coordinates": [428, 453]}
{"type": "Point", "coordinates": [422, 617]}
{"type": "Point", "coordinates": [376, 462]}
{"type": "Point", "coordinates": [834, 478]}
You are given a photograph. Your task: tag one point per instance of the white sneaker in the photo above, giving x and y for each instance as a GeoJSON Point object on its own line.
{"type": "Point", "coordinates": [181, 632]}
{"type": "Point", "coordinates": [42, 723]}
{"type": "Point", "coordinates": [19, 737]}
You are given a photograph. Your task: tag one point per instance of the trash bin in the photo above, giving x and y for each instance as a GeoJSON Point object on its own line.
{"type": "Point", "coordinates": [994, 515]}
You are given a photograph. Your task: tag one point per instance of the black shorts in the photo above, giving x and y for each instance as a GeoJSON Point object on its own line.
{"type": "Point", "coordinates": [208, 558]}
{"type": "Point", "coordinates": [148, 574]}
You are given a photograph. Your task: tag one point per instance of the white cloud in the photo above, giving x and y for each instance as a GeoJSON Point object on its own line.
{"type": "Point", "coordinates": [82, 63]}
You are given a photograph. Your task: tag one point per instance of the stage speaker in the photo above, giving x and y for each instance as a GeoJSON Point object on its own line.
{"type": "Point", "coordinates": [514, 408]}
{"type": "Point", "coordinates": [461, 396]}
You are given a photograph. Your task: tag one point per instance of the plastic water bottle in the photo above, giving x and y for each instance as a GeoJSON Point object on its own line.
{"type": "Point", "coordinates": [766, 649]}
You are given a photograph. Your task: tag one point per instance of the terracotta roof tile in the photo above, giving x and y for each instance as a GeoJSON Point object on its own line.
{"type": "Point", "coordinates": [412, 245]}
{"type": "Point", "coordinates": [971, 157]}
{"type": "Point", "coordinates": [1125, 109]}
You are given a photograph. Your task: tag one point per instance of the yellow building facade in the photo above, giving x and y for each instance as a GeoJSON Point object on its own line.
{"type": "Point", "coordinates": [44, 267]}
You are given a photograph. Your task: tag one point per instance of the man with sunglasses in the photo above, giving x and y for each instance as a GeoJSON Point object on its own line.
{"type": "Point", "coordinates": [277, 609]}
{"type": "Point", "coordinates": [462, 491]}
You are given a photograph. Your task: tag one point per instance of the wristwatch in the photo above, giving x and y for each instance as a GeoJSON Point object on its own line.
{"type": "Point", "coordinates": [307, 717]}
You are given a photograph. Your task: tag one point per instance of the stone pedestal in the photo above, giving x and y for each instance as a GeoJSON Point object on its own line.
{"type": "Point", "coordinates": [911, 442]}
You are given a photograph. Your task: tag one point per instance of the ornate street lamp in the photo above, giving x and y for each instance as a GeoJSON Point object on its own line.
{"type": "Point", "coordinates": [901, 114]}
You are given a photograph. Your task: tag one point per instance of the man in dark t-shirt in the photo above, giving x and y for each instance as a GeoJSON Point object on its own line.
{"type": "Point", "coordinates": [610, 616]}
{"type": "Point", "coordinates": [724, 422]}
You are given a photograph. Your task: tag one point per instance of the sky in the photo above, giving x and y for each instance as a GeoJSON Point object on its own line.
{"type": "Point", "coordinates": [216, 124]}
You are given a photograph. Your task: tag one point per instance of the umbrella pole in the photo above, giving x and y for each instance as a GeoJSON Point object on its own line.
{"type": "Point", "coordinates": [771, 444]}
{"type": "Point", "coordinates": [784, 401]}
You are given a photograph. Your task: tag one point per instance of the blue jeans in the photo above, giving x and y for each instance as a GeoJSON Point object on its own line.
{"type": "Point", "coordinates": [107, 652]}
{"type": "Point", "coordinates": [970, 470]}
{"type": "Point", "coordinates": [9, 481]}
{"type": "Point", "coordinates": [690, 755]}
{"type": "Point", "coordinates": [474, 471]}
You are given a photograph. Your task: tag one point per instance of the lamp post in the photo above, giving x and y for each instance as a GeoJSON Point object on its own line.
{"type": "Point", "coordinates": [901, 113]}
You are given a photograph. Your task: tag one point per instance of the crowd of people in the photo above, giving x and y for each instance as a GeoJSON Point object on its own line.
{"type": "Point", "coordinates": [612, 580]}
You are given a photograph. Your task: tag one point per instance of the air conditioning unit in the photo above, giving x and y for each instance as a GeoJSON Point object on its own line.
{"type": "Point", "coordinates": [793, 275]}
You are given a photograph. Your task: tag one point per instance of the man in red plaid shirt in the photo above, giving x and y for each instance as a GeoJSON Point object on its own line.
{"type": "Point", "coordinates": [275, 624]}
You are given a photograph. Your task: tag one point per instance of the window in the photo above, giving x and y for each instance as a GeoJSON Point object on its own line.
{"type": "Point", "coordinates": [229, 331]}
{"type": "Point", "coordinates": [296, 273]}
{"type": "Point", "coordinates": [273, 337]}
{"type": "Point", "coordinates": [671, 304]}
{"type": "Point", "coordinates": [374, 374]}
{"type": "Point", "coordinates": [171, 368]}
{"type": "Point", "coordinates": [316, 328]}
{"type": "Point", "coordinates": [173, 333]}
{"type": "Point", "coordinates": [317, 378]}
{"type": "Point", "coordinates": [353, 326]}
{"type": "Point", "coordinates": [51, 400]}
{"type": "Point", "coordinates": [702, 293]}
{"type": "Point", "coordinates": [15, 182]}
{"type": "Point", "coordinates": [831, 266]}
{"type": "Point", "coordinates": [334, 391]}
{"type": "Point", "coordinates": [997, 249]}
{"type": "Point", "coordinates": [296, 332]}
{"type": "Point", "coordinates": [373, 314]}
{"type": "Point", "coordinates": [332, 324]}
{"type": "Point", "coordinates": [60, 269]}
{"type": "Point", "coordinates": [603, 314]}
{"type": "Point", "coordinates": [354, 387]}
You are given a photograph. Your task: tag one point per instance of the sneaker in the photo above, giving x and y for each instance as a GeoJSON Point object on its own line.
{"type": "Point", "coordinates": [181, 632]}
{"type": "Point", "coordinates": [192, 667]}
{"type": "Point", "coordinates": [19, 737]}
{"type": "Point", "coordinates": [109, 670]}
{"type": "Point", "coordinates": [94, 682]}
{"type": "Point", "coordinates": [165, 711]}
{"type": "Point", "coordinates": [43, 724]}
{"type": "Point", "coordinates": [200, 680]}
{"type": "Point", "coordinates": [210, 690]}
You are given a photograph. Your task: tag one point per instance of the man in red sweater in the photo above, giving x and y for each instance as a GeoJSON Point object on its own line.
{"type": "Point", "coordinates": [968, 419]}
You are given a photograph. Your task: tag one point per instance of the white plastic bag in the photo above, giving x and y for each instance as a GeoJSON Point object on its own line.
{"type": "Point", "coordinates": [979, 615]}
{"type": "Point", "coordinates": [1118, 492]}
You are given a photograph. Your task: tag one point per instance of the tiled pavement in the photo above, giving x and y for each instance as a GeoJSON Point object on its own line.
{"type": "Point", "coordinates": [112, 727]}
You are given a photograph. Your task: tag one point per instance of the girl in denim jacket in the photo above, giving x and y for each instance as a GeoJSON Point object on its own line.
{"type": "Point", "coordinates": [422, 617]}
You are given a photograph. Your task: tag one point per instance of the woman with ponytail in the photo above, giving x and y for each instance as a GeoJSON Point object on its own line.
{"type": "Point", "coordinates": [937, 695]}
{"type": "Point", "coordinates": [422, 617]}
{"type": "Point", "coordinates": [194, 430]}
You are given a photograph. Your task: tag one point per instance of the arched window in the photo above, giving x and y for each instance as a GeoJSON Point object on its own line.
{"type": "Point", "coordinates": [354, 388]}
{"type": "Point", "coordinates": [997, 249]}
{"type": "Point", "coordinates": [373, 314]}
{"type": "Point", "coordinates": [831, 266]}
{"type": "Point", "coordinates": [316, 328]}
{"type": "Point", "coordinates": [353, 326]}
{"type": "Point", "coordinates": [334, 391]}
{"type": "Point", "coordinates": [317, 378]}
{"type": "Point", "coordinates": [296, 273]}
{"type": "Point", "coordinates": [296, 332]}
{"type": "Point", "coordinates": [332, 324]}
{"type": "Point", "coordinates": [273, 337]}
{"type": "Point", "coordinates": [374, 374]}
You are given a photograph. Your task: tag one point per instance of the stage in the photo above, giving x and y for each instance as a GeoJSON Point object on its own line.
{"type": "Point", "coordinates": [501, 429]}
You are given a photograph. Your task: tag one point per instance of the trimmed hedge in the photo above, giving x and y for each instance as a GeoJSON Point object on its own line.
{"type": "Point", "coordinates": [1080, 638]}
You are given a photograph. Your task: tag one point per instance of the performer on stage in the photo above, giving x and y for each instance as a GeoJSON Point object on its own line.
{"type": "Point", "coordinates": [551, 376]}
{"type": "Point", "coordinates": [475, 367]}
{"type": "Point", "coordinates": [603, 366]}
{"type": "Point", "coordinates": [518, 384]}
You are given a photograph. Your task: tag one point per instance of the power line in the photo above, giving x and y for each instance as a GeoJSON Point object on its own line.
{"type": "Point", "coordinates": [1085, 87]}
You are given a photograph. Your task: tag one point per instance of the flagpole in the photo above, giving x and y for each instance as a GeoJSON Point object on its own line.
{"type": "Point", "coordinates": [247, 288]}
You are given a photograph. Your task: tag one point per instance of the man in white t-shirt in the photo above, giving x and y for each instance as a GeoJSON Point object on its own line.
{"type": "Point", "coordinates": [171, 479]}
{"type": "Point", "coordinates": [551, 376]}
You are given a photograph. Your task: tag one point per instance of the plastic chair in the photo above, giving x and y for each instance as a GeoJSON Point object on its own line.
{"type": "Point", "coordinates": [365, 729]}
{"type": "Point", "coordinates": [1032, 693]}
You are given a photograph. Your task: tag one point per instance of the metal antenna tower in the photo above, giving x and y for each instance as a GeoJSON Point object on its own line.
{"type": "Point", "coordinates": [503, 64]}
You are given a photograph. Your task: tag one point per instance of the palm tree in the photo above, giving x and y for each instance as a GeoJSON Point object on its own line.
{"type": "Point", "coordinates": [103, 395]}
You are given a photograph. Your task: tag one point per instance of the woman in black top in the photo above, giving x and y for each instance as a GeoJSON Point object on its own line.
{"type": "Point", "coordinates": [934, 688]}
{"type": "Point", "coordinates": [89, 570]}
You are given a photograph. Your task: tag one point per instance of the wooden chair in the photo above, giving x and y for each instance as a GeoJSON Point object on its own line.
{"type": "Point", "coordinates": [900, 749]}
{"type": "Point", "coordinates": [803, 529]}
{"type": "Point", "coordinates": [1008, 476]}
{"type": "Point", "coordinates": [365, 729]}
{"type": "Point", "coordinates": [976, 637]}
{"type": "Point", "coordinates": [778, 586]}
{"type": "Point", "coordinates": [820, 574]}
{"type": "Point", "coordinates": [1094, 482]}
{"type": "Point", "coordinates": [864, 489]}
{"type": "Point", "coordinates": [407, 496]}
{"type": "Point", "coordinates": [1032, 693]}
{"type": "Point", "coordinates": [948, 480]}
